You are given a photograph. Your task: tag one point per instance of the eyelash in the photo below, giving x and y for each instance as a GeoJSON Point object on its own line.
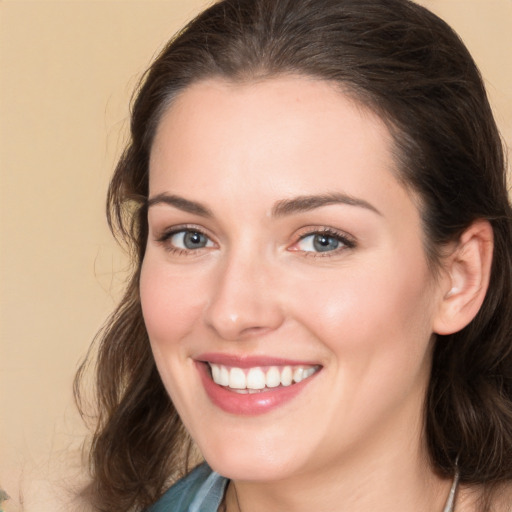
{"type": "Point", "coordinates": [166, 236]}
{"type": "Point", "coordinates": [346, 241]}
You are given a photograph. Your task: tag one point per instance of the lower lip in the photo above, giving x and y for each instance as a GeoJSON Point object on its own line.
{"type": "Point", "coordinates": [248, 404]}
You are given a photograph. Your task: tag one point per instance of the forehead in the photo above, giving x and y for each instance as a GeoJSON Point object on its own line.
{"type": "Point", "coordinates": [262, 100]}
{"type": "Point", "coordinates": [280, 118]}
{"type": "Point", "coordinates": [273, 139]}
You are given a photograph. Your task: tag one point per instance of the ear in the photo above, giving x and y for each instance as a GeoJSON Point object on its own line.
{"type": "Point", "coordinates": [466, 273]}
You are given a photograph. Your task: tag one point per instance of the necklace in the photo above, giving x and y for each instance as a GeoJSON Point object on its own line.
{"type": "Point", "coordinates": [236, 497]}
{"type": "Point", "coordinates": [449, 506]}
{"type": "Point", "coordinates": [450, 502]}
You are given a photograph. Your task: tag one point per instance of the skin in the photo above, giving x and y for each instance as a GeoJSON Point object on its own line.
{"type": "Point", "coordinates": [366, 311]}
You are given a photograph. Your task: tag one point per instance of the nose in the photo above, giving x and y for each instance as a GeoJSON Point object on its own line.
{"type": "Point", "coordinates": [244, 299]}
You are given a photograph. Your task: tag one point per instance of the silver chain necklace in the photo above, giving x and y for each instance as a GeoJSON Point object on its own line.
{"type": "Point", "coordinates": [450, 502]}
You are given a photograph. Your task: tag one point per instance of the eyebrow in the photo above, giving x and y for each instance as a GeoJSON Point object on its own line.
{"type": "Point", "coordinates": [306, 203]}
{"type": "Point", "coordinates": [280, 209]}
{"type": "Point", "coordinates": [181, 203]}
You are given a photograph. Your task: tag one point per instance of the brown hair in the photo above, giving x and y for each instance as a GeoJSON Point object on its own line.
{"type": "Point", "coordinates": [410, 68]}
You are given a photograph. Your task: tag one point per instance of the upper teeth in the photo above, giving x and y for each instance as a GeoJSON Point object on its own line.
{"type": "Point", "coordinates": [258, 378]}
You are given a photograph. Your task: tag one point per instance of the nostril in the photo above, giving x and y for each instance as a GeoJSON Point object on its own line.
{"type": "Point", "coordinates": [254, 331]}
{"type": "Point", "coordinates": [235, 310]}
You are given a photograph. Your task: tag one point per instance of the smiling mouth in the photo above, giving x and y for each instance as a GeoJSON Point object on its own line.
{"type": "Point", "coordinates": [259, 378]}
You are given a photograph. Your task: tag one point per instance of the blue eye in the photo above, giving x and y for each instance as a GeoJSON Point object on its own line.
{"type": "Point", "coordinates": [323, 242]}
{"type": "Point", "coordinates": [189, 240]}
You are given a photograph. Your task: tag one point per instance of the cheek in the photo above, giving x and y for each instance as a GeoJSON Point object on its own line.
{"type": "Point", "coordinates": [170, 303]}
{"type": "Point", "coordinates": [376, 326]}
{"type": "Point", "coordinates": [382, 305]}
{"type": "Point", "coordinates": [170, 307]}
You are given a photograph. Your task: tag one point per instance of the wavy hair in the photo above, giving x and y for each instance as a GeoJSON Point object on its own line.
{"type": "Point", "coordinates": [410, 68]}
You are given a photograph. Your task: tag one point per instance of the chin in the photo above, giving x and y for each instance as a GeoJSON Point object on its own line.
{"type": "Point", "coordinates": [261, 461]}
{"type": "Point", "coordinates": [250, 470]}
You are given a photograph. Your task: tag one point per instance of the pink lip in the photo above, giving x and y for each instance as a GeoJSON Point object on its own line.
{"type": "Point", "coordinates": [249, 361]}
{"type": "Point", "coordinates": [247, 404]}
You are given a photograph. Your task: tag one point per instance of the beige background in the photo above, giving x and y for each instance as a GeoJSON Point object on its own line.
{"type": "Point", "coordinates": [67, 72]}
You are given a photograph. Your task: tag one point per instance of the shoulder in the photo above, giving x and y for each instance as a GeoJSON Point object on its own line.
{"type": "Point", "coordinates": [201, 490]}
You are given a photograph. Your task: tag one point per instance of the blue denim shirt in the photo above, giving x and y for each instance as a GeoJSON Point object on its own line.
{"type": "Point", "coordinates": [201, 490]}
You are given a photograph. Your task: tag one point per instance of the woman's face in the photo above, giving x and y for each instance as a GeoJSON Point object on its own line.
{"type": "Point", "coordinates": [286, 259]}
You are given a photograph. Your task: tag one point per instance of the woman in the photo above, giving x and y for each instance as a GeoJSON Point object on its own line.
{"type": "Point", "coordinates": [315, 196]}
